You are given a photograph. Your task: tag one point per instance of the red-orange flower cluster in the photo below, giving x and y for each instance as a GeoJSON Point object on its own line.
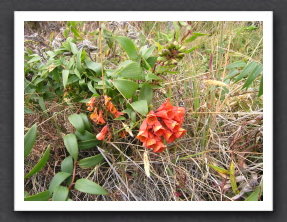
{"type": "Point", "coordinates": [97, 106]}
{"type": "Point", "coordinates": [164, 123]}
{"type": "Point", "coordinates": [104, 132]}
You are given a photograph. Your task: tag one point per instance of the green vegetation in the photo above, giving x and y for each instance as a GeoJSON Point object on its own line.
{"type": "Point", "coordinates": [90, 87]}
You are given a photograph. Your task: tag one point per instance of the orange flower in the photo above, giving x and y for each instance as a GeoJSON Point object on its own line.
{"type": "Point", "coordinates": [101, 120]}
{"type": "Point", "coordinates": [151, 118]}
{"type": "Point", "coordinates": [163, 124]}
{"type": "Point", "coordinates": [165, 114]}
{"type": "Point", "coordinates": [169, 136]}
{"type": "Point", "coordinates": [171, 124]}
{"type": "Point", "coordinates": [103, 133]}
{"type": "Point", "coordinates": [157, 147]}
{"type": "Point", "coordinates": [158, 129]}
{"type": "Point", "coordinates": [98, 118]}
{"type": "Point", "coordinates": [142, 136]}
{"type": "Point", "coordinates": [94, 116]}
{"type": "Point", "coordinates": [166, 106]}
{"type": "Point", "coordinates": [117, 114]}
{"type": "Point", "coordinates": [180, 133]}
{"type": "Point", "coordinates": [179, 114]}
{"type": "Point", "coordinates": [91, 104]}
{"type": "Point", "coordinates": [112, 109]}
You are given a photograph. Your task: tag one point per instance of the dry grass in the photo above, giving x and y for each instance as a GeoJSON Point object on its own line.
{"type": "Point", "coordinates": [219, 131]}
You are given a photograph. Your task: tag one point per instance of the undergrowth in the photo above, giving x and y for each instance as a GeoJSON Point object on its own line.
{"type": "Point", "coordinates": [215, 74]}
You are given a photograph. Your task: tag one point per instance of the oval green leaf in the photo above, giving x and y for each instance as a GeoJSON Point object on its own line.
{"type": "Point", "coordinates": [40, 164]}
{"type": "Point", "coordinates": [29, 140]}
{"type": "Point", "coordinates": [86, 136]}
{"type": "Point", "coordinates": [91, 161]}
{"type": "Point", "coordinates": [65, 76]}
{"type": "Point", "coordinates": [96, 67]}
{"type": "Point", "coordinates": [84, 145]}
{"type": "Point", "coordinates": [74, 48]}
{"type": "Point", "coordinates": [126, 88]}
{"type": "Point", "coordinates": [86, 121]}
{"type": "Point", "coordinates": [141, 107]}
{"type": "Point", "coordinates": [77, 121]}
{"type": "Point", "coordinates": [87, 186]}
{"type": "Point", "coordinates": [60, 194]}
{"type": "Point", "coordinates": [43, 196]}
{"type": "Point", "coordinates": [71, 144]}
{"type": "Point", "coordinates": [128, 46]}
{"type": "Point", "coordinates": [146, 93]}
{"type": "Point", "coordinates": [79, 61]}
{"type": "Point", "coordinates": [57, 180]}
{"type": "Point", "coordinates": [67, 165]}
{"type": "Point", "coordinates": [131, 71]}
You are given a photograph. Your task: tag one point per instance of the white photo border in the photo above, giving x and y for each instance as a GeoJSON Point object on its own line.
{"type": "Point", "coordinates": [21, 16]}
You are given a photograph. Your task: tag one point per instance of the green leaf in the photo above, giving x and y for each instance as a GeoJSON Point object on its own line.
{"type": "Point", "coordinates": [27, 111]}
{"type": "Point", "coordinates": [40, 164]}
{"type": "Point", "coordinates": [67, 165]}
{"type": "Point", "coordinates": [79, 61]}
{"type": "Point", "coordinates": [236, 64]}
{"type": "Point", "coordinates": [146, 93]}
{"type": "Point", "coordinates": [151, 61]}
{"type": "Point", "coordinates": [253, 75]}
{"type": "Point", "coordinates": [57, 180]}
{"type": "Point", "coordinates": [257, 193]}
{"type": "Point", "coordinates": [71, 144]}
{"type": "Point", "coordinates": [232, 179]}
{"type": "Point", "coordinates": [65, 76]}
{"type": "Point", "coordinates": [190, 50]}
{"type": "Point", "coordinates": [231, 74]}
{"type": "Point", "coordinates": [74, 48]}
{"type": "Point", "coordinates": [86, 121]}
{"type": "Point", "coordinates": [41, 103]}
{"type": "Point", "coordinates": [151, 76]}
{"type": "Point", "coordinates": [177, 30]}
{"type": "Point", "coordinates": [43, 196]}
{"type": "Point", "coordinates": [131, 71]}
{"type": "Point", "coordinates": [194, 36]}
{"type": "Point", "coordinates": [88, 144]}
{"type": "Point", "coordinates": [76, 32]}
{"type": "Point", "coordinates": [34, 59]}
{"type": "Point", "coordinates": [91, 161]}
{"type": "Point", "coordinates": [87, 186]}
{"type": "Point", "coordinates": [85, 136]}
{"type": "Point", "coordinates": [219, 169]}
{"type": "Point", "coordinates": [66, 32]}
{"type": "Point", "coordinates": [77, 73]}
{"type": "Point", "coordinates": [141, 107]}
{"type": "Point", "coordinates": [29, 140]}
{"type": "Point", "coordinates": [162, 69]}
{"type": "Point", "coordinates": [261, 87]}
{"type": "Point", "coordinates": [96, 67]}
{"type": "Point", "coordinates": [126, 88]}
{"type": "Point", "coordinates": [77, 121]}
{"type": "Point", "coordinates": [91, 88]}
{"type": "Point", "coordinates": [128, 46]}
{"type": "Point", "coordinates": [60, 193]}
{"type": "Point", "coordinates": [250, 66]}
{"type": "Point", "coordinates": [148, 52]}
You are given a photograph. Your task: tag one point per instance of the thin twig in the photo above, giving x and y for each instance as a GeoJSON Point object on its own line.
{"type": "Point", "coordinates": [74, 176]}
